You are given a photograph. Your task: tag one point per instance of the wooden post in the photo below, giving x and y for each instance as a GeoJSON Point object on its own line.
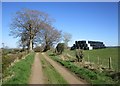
{"type": "Point", "coordinates": [98, 60]}
{"type": "Point", "coordinates": [110, 63]}
{"type": "Point", "coordinates": [88, 57]}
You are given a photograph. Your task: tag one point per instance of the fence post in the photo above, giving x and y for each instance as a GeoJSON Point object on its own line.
{"type": "Point", "coordinates": [98, 60]}
{"type": "Point", "coordinates": [88, 57]}
{"type": "Point", "coordinates": [110, 63]}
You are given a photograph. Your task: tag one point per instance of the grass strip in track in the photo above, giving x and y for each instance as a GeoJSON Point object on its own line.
{"type": "Point", "coordinates": [52, 76]}
{"type": "Point", "coordinates": [21, 71]}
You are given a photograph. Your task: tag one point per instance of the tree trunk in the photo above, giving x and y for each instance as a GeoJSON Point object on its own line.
{"type": "Point", "coordinates": [31, 45]}
{"type": "Point", "coordinates": [23, 47]}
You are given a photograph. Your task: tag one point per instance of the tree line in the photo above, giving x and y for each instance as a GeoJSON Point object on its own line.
{"type": "Point", "coordinates": [34, 27]}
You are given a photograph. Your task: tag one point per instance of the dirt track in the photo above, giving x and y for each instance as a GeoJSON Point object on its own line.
{"type": "Point", "coordinates": [36, 74]}
{"type": "Point", "coordinates": [70, 78]}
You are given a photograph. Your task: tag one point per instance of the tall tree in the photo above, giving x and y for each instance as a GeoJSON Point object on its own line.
{"type": "Point", "coordinates": [66, 38]}
{"type": "Point", "coordinates": [3, 45]}
{"type": "Point", "coordinates": [24, 41]}
{"type": "Point", "coordinates": [28, 22]}
{"type": "Point", "coordinates": [49, 36]}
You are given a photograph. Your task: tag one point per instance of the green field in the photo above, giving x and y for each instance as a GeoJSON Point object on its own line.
{"type": "Point", "coordinates": [90, 76]}
{"type": "Point", "coordinates": [103, 54]}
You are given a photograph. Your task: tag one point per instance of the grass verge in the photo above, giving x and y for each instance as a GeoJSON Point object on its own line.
{"type": "Point", "coordinates": [90, 76]}
{"type": "Point", "coordinates": [52, 76]}
{"type": "Point", "coordinates": [102, 54]}
{"type": "Point", "coordinates": [21, 71]}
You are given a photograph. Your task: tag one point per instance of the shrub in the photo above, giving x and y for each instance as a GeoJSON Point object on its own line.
{"type": "Point", "coordinates": [6, 61]}
{"type": "Point", "coordinates": [47, 47]}
{"type": "Point", "coordinates": [38, 49]}
{"type": "Point", "coordinates": [79, 55]}
{"type": "Point", "coordinates": [15, 51]}
{"type": "Point", "coordinates": [60, 48]}
{"type": "Point", "coordinates": [52, 54]}
{"type": "Point", "coordinates": [20, 56]}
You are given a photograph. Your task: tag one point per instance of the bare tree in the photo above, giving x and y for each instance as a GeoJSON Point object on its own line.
{"type": "Point", "coordinates": [49, 36]}
{"type": "Point", "coordinates": [28, 22]}
{"type": "Point", "coordinates": [24, 41]}
{"type": "Point", "coordinates": [66, 38]}
{"type": "Point", "coordinates": [3, 45]}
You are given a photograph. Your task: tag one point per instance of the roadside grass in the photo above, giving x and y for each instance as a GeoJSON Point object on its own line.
{"type": "Point", "coordinates": [21, 71]}
{"type": "Point", "coordinates": [90, 76]}
{"type": "Point", "coordinates": [52, 76]}
{"type": "Point", "coordinates": [9, 57]}
{"type": "Point", "coordinates": [103, 54]}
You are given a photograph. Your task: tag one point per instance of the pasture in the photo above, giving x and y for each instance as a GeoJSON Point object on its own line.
{"type": "Point", "coordinates": [103, 55]}
{"type": "Point", "coordinates": [90, 76]}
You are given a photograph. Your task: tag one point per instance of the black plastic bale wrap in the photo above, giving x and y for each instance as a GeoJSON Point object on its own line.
{"type": "Point", "coordinates": [83, 45]}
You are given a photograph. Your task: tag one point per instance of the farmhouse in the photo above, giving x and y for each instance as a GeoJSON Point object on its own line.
{"type": "Point", "coordinates": [88, 45]}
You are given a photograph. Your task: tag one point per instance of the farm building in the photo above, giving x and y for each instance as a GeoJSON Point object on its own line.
{"type": "Point", "coordinates": [88, 45]}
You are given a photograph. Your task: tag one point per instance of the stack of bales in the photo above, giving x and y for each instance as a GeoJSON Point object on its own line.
{"type": "Point", "coordinates": [96, 44]}
{"type": "Point", "coordinates": [87, 45]}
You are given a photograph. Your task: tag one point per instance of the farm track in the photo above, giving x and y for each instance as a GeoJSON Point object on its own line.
{"type": "Point", "coordinates": [36, 74]}
{"type": "Point", "coordinates": [70, 78]}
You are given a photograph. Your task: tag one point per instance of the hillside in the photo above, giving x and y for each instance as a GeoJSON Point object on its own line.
{"type": "Point", "coordinates": [102, 54]}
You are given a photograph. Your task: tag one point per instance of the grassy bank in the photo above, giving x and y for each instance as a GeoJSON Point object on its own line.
{"type": "Point", "coordinates": [103, 54]}
{"type": "Point", "coordinates": [90, 76]}
{"type": "Point", "coordinates": [52, 76]}
{"type": "Point", "coordinates": [20, 71]}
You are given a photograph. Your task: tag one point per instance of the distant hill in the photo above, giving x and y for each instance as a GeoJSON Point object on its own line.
{"type": "Point", "coordinates": [113, 46]}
